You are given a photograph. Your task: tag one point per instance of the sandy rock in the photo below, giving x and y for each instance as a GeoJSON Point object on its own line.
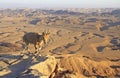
{"type": "Point", "coordinates": [87, 66]}
{"type": "Point", "coordinates": [46, 67]}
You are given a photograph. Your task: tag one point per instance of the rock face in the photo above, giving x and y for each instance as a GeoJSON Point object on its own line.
{"type": "Point", "coordinates": [67, 67]}
{"type": "Point", "coordinates": [88, 67]}
{"type": "Point", "coordinates": [42, 69]}
{"type": "Point", "coordinates": [45, 67]}
{"type": "Point", "coordinates": [49, 68]}
{"type": "Point", "coordinates": [63, 73]}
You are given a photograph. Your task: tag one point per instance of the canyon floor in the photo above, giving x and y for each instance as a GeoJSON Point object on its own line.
{"type": "Point", "coordinates": [73, 51]}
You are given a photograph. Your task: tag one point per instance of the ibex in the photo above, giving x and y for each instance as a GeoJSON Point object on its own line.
{"type": "Point", "coordinates": [36, 39]}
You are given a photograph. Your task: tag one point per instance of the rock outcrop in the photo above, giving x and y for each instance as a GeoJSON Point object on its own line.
{"type": "Point", "coordinates": [88, 67]}
{"type": "Point", "coordinates": [43, 69]}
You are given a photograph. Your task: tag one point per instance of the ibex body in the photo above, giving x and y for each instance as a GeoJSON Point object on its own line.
{"type": "Point", "coordinates": [37, 40]}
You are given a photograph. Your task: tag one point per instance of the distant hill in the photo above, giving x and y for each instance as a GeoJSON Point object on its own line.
{"type": "Point", "coordinates": [62, 12]}
{"type": "Point", "coordinates": [116, 12]}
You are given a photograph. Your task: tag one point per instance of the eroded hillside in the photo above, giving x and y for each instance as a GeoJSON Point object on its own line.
{"type": "Point", "coordinates": [81, 44]}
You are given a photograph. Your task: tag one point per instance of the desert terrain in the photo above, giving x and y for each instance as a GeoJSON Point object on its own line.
{"type": "Point", "coordinates": [83, 43]}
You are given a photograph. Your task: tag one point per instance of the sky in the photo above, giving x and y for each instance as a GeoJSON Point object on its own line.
{"type": "Point", "coordinates": [60, 3]}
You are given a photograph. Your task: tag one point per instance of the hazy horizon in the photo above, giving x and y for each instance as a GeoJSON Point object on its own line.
{"type": "Point", "coordinates": [60, 4]}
